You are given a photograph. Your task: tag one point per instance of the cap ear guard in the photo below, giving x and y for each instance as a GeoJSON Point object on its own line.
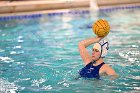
{"type": "Point", "coordinates": [104, 48]}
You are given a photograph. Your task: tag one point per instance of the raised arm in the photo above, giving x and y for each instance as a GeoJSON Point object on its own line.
{"type": "Point", "coordinates": [87, 58]}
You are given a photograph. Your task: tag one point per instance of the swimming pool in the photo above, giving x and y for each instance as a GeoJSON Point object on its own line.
{"type": "Point", "coordinates": [40, 55]}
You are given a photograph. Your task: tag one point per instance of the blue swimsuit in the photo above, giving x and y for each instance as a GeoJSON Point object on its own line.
{"type": "Point", "coordinates": [90, 71]}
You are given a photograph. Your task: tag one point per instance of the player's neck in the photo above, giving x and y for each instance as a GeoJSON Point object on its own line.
{"type": "Point", "coordinates": [99, 61]}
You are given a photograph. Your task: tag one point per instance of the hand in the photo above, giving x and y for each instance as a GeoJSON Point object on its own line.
{"type": "Point", "coordinates": [99, 37]}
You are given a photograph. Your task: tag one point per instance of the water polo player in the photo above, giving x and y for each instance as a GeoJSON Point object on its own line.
{"type": "Point", "coordinates": [94, 64]}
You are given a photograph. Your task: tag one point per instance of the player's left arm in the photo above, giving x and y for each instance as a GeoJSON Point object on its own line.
{"type": "Point", "coordinates": [111, 72]}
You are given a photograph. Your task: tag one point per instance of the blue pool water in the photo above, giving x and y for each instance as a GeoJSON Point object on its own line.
{"type": "Point", "coordinates": [40, 55]}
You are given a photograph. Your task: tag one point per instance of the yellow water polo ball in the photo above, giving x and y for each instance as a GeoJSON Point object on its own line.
{"type": "Point", "coordinates": [101, 27]}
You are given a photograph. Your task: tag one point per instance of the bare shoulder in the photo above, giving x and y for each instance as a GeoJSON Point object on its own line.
{"type": "Point", "coordinates": [109, 70]}
{"type": "Point", "coordinates": [107, 66]}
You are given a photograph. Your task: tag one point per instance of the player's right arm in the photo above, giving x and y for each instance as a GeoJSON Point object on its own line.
{"type": "Point", "coordinates": [85, 55]}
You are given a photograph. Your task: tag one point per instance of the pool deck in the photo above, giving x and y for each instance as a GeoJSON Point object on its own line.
{"type": "Point", "coordinates": [49, 6]}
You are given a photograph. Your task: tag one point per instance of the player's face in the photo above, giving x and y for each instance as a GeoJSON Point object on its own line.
{"type": "Point", "coordinates": [95, 54]}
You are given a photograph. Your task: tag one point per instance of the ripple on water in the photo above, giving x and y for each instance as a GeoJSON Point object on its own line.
{"type": "Point", "coordinates": [20, 41]}
{"type": "Point", "coordinates": [6, 59]}
{"type": "Point", "coordinates": [17, 47]}
{"type": "Point", "coordinates": [7, 87]}
{"type": "Point", "coordinates": [37, 82]}
{"type": "Point", "coordinates": [16, 52]}
{"type": "Point", "coordinates": [49, 87]}
{"type": "Point", "coordinates": [1, 50]}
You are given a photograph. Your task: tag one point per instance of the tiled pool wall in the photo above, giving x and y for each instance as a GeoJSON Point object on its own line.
{"type": "Point", "coordinates": [71, 12]}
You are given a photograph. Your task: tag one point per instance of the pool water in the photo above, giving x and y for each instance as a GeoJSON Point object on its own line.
{"type": "Point", "coordinates": [40, 55]}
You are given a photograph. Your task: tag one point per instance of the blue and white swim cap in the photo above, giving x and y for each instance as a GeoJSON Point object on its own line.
{"type": "Point", "coordinates": [102, 46]}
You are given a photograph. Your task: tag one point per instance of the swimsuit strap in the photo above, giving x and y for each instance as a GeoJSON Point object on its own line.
{"type": "Point", "coordinates": [100, 65]}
